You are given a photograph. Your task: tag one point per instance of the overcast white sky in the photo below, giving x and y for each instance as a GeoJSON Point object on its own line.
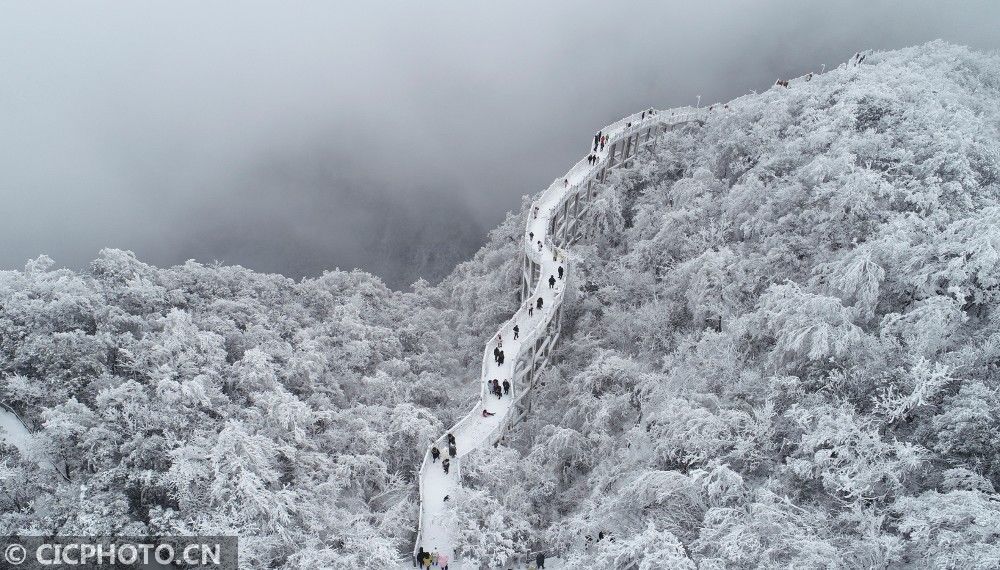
{"type": "Point", "coordinates": [300, 136]}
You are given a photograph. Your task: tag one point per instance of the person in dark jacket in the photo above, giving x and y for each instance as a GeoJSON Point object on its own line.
{"type": "Point", "coordinates": [560, 271]}
{"type": "Point", "coordinates": [496, 355]}
{"type": "Point", "coordinates": [446, 464]}
{"type": "Point", "coordinates": [539, 304]}
{"type": "Point", "coordinates": [418, 558]}
{"type": "Point", "coordinates": [501, 359]}
{"type": "Point", "coordinates": [435, 453]}
{"type": "Point", "coordinates": [540, 560]}
{"type": "Point", "coordinates": [552, 281]}
{"type": "Point", "coordinates": [452, 450]}
{"type": "Point", "coordinates": [451, 439]}
{"type": "Point", "coordinates": [506, 387]}
{"type": "Point", "coordinates": [516, 331]}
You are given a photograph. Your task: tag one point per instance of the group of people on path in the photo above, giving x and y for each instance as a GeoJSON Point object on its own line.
{"type": "Point", "coordinates": [499, 391]}
{"type": "Point", "coordinates": [452, 452]}
{"type": "Point", "coordinates": [532, 307]}
{"type": "Point", "coordinates": [498, 355]}
{"type": "Point", "coordinates": [592, 158]}
{"type": "Point", "coordinates": [600, 139]}
{"type": "Point", "coordinates": [423, 559]}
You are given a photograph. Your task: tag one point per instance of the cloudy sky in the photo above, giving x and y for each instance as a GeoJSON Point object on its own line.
{"type": "Point", "coordinates": [295, 137]}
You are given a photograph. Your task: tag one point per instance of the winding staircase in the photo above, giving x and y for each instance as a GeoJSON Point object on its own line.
{"type": "Point", "coordinates": [554, 222]}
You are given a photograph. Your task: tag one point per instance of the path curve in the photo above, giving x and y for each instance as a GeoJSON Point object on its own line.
{"type": "Point", "coordinates": [435, 529]}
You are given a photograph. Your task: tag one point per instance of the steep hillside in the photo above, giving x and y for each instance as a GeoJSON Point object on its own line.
{"type": "Point", "coordinates": [781, 349]}
{"type": "Point", "coordinates": [785, 348]}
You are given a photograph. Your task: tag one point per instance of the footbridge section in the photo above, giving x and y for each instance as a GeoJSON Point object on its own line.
{"type": "Point", "coordinates": [555, 221]}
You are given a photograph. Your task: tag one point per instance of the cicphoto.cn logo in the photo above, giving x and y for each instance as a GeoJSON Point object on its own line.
{"type": "Point", "coordinates": [207, 552]}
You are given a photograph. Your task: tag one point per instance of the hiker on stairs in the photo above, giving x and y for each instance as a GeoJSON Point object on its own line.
{"type": "Point", "coordinates": [552, 281]}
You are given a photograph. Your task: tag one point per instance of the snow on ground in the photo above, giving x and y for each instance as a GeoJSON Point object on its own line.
{"type": "Point", "coordinates": [12, 430]}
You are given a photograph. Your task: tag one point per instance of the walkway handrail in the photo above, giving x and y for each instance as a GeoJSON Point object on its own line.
{"type": "Point", "coordinates": [552, 199]}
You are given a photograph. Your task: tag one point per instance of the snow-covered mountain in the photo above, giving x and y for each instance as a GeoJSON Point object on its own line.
{"type": "Point", "coordinates": [780, 349]}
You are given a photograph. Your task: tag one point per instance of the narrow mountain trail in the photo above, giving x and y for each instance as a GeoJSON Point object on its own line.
{"type": "Point", "coordinates": [542, 249]}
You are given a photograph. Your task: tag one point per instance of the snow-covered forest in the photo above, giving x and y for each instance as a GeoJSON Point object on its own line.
{"type": "Point", "coordinates": [781, 349]}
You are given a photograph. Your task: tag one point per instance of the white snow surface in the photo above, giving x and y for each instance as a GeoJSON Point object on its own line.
{"type": "Point", "coordinates": [436, 529]}
{"type": "Point", "coordinates": [13, 431]}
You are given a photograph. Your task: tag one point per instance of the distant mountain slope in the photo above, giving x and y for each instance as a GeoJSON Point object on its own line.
{"type": "Point", "coordinates": [785, 348]}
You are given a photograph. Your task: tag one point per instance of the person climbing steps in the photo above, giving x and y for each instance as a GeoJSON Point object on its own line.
{"type": "Point", "coordinates": [435, 453]}
{"type": "Point", "coordinates": [552, 281]}
{"type": "Point", "coordinates": [506, 387]}
{"type": "Point", "coordinates": [517, 330]}
{"type": "Point", "coordinates": [560, 276]}
{"type": "Point", "coordinates": [445, 465]}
